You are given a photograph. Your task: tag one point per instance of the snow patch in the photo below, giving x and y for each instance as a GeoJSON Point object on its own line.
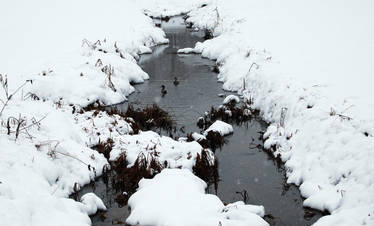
{"type": "Point", "coordinates": [177, 197]}
{"type": "Point", "coordinates": [221, 127]}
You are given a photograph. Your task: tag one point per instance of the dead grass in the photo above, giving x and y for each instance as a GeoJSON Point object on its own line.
{"type": "Point", "coordinates": [127, 178]}
{"type": "Point", "coordinates": [140, 119]}
{"type": "Point", "coordinates": [230, 113]}
{"type": "Point", "coordinates": [205, 170]}
{"type": "Point", "coordinates": [104, 147]}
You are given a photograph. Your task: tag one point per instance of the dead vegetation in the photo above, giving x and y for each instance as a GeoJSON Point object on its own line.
{"type": "Point", "coordinates": [229, 113]}
{"type": "Point", "coordinates": [16, 125]}
{"type": "Point", "coordinates": [206, 168]}
{"type": "Point", "coordinates": [213, 141]}
{"type": "Point", "coordinates": [127, 178]}
{"type": "Point", "coordinates": [124, 179]}
{"type": "Point", "coordinates": [104, 147]}
{"type": "Point", "coordinates": [140, 119]}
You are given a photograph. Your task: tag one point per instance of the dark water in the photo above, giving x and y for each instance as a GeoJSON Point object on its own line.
{"type": "Point", "coordinates": [242, 166]}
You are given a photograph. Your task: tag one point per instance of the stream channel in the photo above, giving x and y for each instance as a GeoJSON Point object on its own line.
{"type": "Point", "coordinates": [242, 166]}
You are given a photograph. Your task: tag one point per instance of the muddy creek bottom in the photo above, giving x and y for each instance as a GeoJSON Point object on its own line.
{"type": "Point", "coordinates": [245, 171]}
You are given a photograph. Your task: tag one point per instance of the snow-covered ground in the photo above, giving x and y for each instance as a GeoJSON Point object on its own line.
{"type": "Point", "coordinates": [307, 66]}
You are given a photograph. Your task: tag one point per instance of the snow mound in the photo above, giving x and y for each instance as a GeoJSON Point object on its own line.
{"type": "Point", "coordinates": [231, 98]}
{"type": "Point", "coordinates": [177, 197]}
{"type": "Point", "coordinates": [221, 127]}
{"type": "Point", "coordinates": [198, 136]}
{"type": "Point", "coordinates": [188, 51]}
{"type": "Point", "coordinates": [177, 154]}
{"type": "Point", "coordinates": [92, 203]}
{"type": "Point", "coordinates": [43, 165]}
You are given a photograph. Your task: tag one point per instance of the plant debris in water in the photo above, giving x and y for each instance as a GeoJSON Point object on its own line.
{"type": "Point", "coordinates": [127, 178]}
{"type": "Point", "coordinates": [229, 113]}
{"type": "Point", "coordinates": [150, 117]}
{"type": "Point", "coordinates": [206, 168]}
{"type": "Point", "coordinates": [213, 141]}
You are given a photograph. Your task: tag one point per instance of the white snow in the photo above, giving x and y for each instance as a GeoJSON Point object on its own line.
{"type": "Point", "coordinates": [163, 8]}
{"type": "Point", "coordinates": [40, 168]}
{"type": "Point", "coordinates": [231, 98]}
{"type": "Point", "coordinates": [188, 51]}
{"type": "Point", "coordinates": [221, 127]}
{"type": "Point", "coordinates": [78, 51]}
{"type": "Point", "coordinates": [92, 203]}
{"type": "Point", "coordinates": [177, 197]}
{"type": "Point", "coordinates": [177, 154]}
{"type": "Point", "coordinates": [198, 136]}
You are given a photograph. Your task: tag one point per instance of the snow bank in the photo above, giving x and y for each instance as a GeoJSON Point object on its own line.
{"type": "Point", "coordinates": [91, 53]}
{"type": "Point", "coordinates": [43, 165]}
{"type": "Point", "coordinates": [231, 98]}
{"type": "Point", "coordinates": [92, 203]}
{"type": "Point", "coordinates": [177, 197]}
{"type": "Point", "coordinates": [167, 8]}
{"type": "Point", "coordinates": [221, 127]}
{"type": "Point", "coordinates": [177, 154]}
{"type": "Point", "coordinates": [188, 51]}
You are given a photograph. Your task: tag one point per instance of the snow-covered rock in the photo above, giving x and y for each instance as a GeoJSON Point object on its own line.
{"type": "Point", "coordinates": [221, 127]}
{"type": "Point", "coordinates": [92, 203]}
{"type": "Point", "coordinates": [231, 98]}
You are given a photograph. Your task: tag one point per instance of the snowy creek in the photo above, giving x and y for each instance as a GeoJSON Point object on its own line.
{"type": "Point", "coordinates": [245, 170]}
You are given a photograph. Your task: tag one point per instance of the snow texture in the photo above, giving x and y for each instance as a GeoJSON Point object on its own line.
{"type": "Point", "coordinates": [198, 136]}
{"type": "Point", "coordinates": [221, 127]}
{"type": "Point", "coordinates": [177, 197]}
{"type": "Point", "coordinates": [188, 51]}
{"type": "Point", "coordinates": [231, 98]}
{"type": "Point", "coordinates": [83, 52]}
{"type": "Point", "coordinates": [177, 154]}
{"type": "Point", "coordinates": [92, 203]}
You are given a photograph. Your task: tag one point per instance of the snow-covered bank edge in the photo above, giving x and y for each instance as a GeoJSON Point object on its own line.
{"type": "Point", "coordinates": [317, 141]}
